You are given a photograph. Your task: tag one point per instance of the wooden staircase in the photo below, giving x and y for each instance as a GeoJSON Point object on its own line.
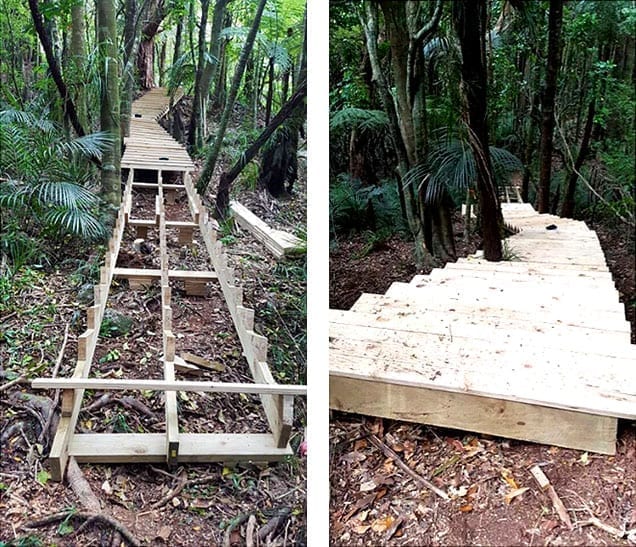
{"type": "Point", "coordinates": [536, 348]}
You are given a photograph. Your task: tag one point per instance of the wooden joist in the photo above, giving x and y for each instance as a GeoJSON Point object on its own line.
{"type": "Point", "coordinates": [168, 385]}
{"type": "Point", "coordinates": [278, 242]}
{"type": "Point", "coordinates": [178, 275]}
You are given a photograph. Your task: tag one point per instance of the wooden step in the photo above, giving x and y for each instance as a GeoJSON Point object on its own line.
{"type": "Point", "coordinates": [540, 300]}
{"type": "Point", "coordinates": [491, 269]}
{"type": "Point", "coordinates": [513, 333]}
{"type": "Point", "coordinates": [530, 265]}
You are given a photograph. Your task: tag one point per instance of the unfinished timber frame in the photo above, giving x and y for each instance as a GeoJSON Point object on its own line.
{"type": "Point", "coordinates": [149, 147]}
{"type": "Point", "coordinates": [536, 348]}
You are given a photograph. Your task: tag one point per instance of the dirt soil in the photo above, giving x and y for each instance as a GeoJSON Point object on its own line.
{"type": "Point", "coordinates": [494, 498]}
{"type": "Point", "coordinates": [194, 505]}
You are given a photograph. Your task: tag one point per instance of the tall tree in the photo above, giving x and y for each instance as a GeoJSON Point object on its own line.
{"type": "Point", "coordinates": [469, 18]}
{"type": "Point", "coordinates": [109, 108]}
{"type": "Point", "coordinates": [555, 21]}
{"type": "Point", "coordinates": [70, 112]}
{"type": "Point", "coordinates": [157, 11]}
{"type": "Point", "coordinates": [212, 157]}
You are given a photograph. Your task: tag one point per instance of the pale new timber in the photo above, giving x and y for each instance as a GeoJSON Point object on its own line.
{"type": "Point", "coordinates": [151, 148]}
{"type": "Point", "coordinates": [534, 349]}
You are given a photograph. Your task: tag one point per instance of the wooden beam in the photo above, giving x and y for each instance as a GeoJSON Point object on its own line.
{"type": "Point", "coordinates": [278, 242]}
{"type": "Point", "coordinates": [180, 275]}
{"type": "Point", "coordinates": [194, 448]}
{"type": "Point", "coordinates": [163, 385]}
{"type": "Point", "coordinates": [471, 413]}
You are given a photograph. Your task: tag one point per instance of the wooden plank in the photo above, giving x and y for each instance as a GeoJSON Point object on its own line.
{"type": "Point", "coordinates": [520, 334]}
{"type": "Point", "coordinates": [604, 386]}
{"type": "Point", "coordinates": [277, 241]}
{"type": "Point", "coordinates": [564, 309]}
{"type": "Point", "coordinates": [163, 385]}
{"type": "Point", "coordinates": [194, 447]}
{"type": "Point", "coordinates": [179, 275]}
{"type": "Point", "coordinates": [468, 412]}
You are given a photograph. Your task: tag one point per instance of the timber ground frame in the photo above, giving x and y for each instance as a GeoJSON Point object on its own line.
{"type": "Point", "coordinates": [150, 148]}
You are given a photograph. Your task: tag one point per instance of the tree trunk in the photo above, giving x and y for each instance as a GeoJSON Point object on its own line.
{"type": "Point", "coordinates": [197, 107]}
{"type": "Point", "coordinates": [270, 91]}
{"type": "Point", "coordinates": [77, 57]}
{"type": "Point", "coordinates": [567, 209]}
{"type": "Point", "coordinates": [223, 190]}
{"type": "Point", "coordinates": [469, 19]}
{"type": "Point", "coordinates": [109, 111]}
{"type": "Point", "coordinates": [146, 56]}
{"type": "Point", "coordinates": [70, 112]}
{"type": "Point", "coordinates": [130, 47]}
{"type": "Point", "coordinates": [206, 174]}
{"type": "Point", "coordinates": [555, 21]}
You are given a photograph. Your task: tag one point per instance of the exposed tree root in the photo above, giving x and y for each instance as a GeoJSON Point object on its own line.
{"type": "Point", "coordinates": [89, 518]}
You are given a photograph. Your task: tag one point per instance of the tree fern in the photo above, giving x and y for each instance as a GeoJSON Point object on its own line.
{"type": "Point", "coordinates": [359, 118]}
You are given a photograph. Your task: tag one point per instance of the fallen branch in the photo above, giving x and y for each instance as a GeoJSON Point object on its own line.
{"type": "Point", "coordinates": [618, 534]}
{"type": "Point", "coordinates": [183, 483]}
{"type": "Point", "coordinates": [85, 516]}
{"type": "Point", "coordinates": [391, 454]}
{"type": "Point", "coordinates": [545, 485]}
{"type": "Point", "coordinates": [56, 399]}
{"type": "Point", "coordinates": [13, 382]}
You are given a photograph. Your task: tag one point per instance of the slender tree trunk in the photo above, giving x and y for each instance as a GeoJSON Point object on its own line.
{"type": "Point", "coordinates": [567, 209]}
{"type": "Point", "coordinates": [109, 111]}
{"type": "Point", "coordinates": [469, 18]}
{"type": "Point", "coordinates": [197, 106]}
{"type": "Point", "coordinates": [220, 83]}
{"type": "Point", "coordinates": [223, 190]}
{"type": "Point", "coordinates": [270, 91]}
{"type": "Point", "coordinates": [555, 21]}
{"type": "Point", "coordinates": [70, 112]}
{"type": "Point", "coordinates": [78, 56]}
{"type": "Point", "coordinates": [130, 47]}
{"type": "Point", "coordinates": [206, 174]}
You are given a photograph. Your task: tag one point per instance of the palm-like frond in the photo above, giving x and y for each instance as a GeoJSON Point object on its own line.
{"type": "Point", "coordinates": [89, 145]}
{"type": "Point", "coordinates": [359, 118]}
{"type": "Point", "coordinates": [78, 222]}
{"type": "Point", "coordinates": [452, 167]}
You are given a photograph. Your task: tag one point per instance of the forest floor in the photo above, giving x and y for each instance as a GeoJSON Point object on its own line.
{"type": "Point", "coordinates": [194, 505]}
{"type": "Point", "coordinates": [373, 500]}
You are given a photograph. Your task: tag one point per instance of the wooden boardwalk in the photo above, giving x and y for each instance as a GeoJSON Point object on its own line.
{"type": "Point", "coordinates": [536, 348]}
{"type": "Point", "coordinates": [152, 150]}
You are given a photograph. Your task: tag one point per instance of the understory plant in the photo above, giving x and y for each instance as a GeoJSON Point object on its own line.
{"type": "Point", "coordinates": [46, 194]}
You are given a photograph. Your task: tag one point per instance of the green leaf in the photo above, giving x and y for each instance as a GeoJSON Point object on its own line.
{"type": "Point", "coordinates": [43, 477]}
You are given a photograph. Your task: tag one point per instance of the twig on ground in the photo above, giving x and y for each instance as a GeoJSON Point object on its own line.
{"type": "Point", "coordinates": [390, 453]}
{"type": "Point", "coordinates": [13, 382]}
{"type": "Point", "coordinates": [183, 483]}
{"type": "Point", "coordinates": [86, 516]}
{"type": "Point", "coordinates": [234, 524]}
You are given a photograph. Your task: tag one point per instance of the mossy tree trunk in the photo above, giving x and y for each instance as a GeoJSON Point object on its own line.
{"type": "Point", "coordinates": [109, 110]}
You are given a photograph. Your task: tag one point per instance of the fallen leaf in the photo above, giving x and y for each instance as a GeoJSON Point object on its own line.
{"type": "Point", "coordinates": [457, 492]}
{"type": "Point", "coordinates": [514, 493]}
{"type": "Point", "coordinates": [584, 459]}
{"type": "Point", "coordinates": [362, 515]}
{"type": "Point", "coordinates": [360, 444]}
{"type": "Point", "coordinates": [353, 457]}
{"type": "Point", "coordinates": [107, 488]}
{"type": "Point", "coordinates": [362, 529]}
{"type": "Point", "coordinates": [382, 524]}
{"type": "Point", "coordinates": [368, 486]}
{"type": "Point", "coordinates": [466, 508]}
{"type": "Point", "coordinates": [164, 532]}
{"type": "Point", "coordinates": [507, 476]}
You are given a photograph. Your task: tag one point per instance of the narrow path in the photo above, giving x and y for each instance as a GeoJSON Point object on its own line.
{"type": "Point", "coordinates": [536, 348]}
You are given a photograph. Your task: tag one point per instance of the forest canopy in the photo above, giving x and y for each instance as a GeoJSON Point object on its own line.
{"type": "Point", "coordinates": [437, 104]}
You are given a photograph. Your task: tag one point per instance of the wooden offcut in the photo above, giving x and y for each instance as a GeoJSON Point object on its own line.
{"type": "Point", "coordinates": [149, 147]}
{"type": "Point", "coordinates": [280, 243]}
{"type": "Point", "coordinates": [535, 349]}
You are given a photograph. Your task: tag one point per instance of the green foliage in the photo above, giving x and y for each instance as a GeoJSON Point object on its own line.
{"type": "Point", "coordinates": [360, 119]}
{"type": "Point", "coordinates": [23, 541]}
{"type": "Point", "coordinates": [353, 207]}
{"type": "Point", "coordinates": [451, 165]}
{"type": "Point", "coordinates": [43, 186]}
